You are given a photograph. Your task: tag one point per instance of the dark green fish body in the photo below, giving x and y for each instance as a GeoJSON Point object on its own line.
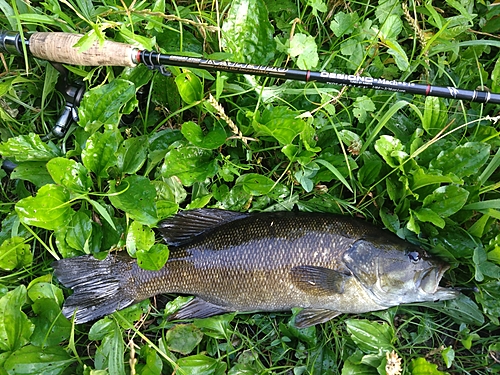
{"type": "Point", "coordinates": [230, 261]}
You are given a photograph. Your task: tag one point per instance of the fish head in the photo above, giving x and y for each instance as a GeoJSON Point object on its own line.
{"type": "Point", "coordinates": [397, 272]}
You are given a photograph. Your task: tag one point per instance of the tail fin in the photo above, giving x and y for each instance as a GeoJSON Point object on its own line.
{"type": "Point", "coordinates": [100, 287]}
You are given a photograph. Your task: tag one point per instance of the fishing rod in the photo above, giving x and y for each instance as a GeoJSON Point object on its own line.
{"type": "Point", "coordinates": [59, 47]}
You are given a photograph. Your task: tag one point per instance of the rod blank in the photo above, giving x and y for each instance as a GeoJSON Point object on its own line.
{"type": "Point", "coordinates": [59, 47]}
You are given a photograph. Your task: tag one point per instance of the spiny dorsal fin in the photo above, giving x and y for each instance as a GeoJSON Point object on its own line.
{"type": "Point", "coordinates": [186, 225]}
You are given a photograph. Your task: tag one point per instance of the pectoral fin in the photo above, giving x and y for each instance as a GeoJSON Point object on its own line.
{"type": "Point", "coordinates": [198, 308]}
{"type": "Point", "coordinates": [319, 280]}
{"type": "Point", "coordinates": [310, 317]}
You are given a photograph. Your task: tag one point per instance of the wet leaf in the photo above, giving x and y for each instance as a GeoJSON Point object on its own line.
{"type": "Point", "coordinates": [198, 364]}
{"type": "Point", "coordinates": [79, 231]}
{"type": "Point", "coordinates": [248, 33]}
{"type": "Point", "coordinates": [51, 327]}
{"type": "Point", "coordinates": [370, 336]}
{"type": "Point", "coordinates": [190, 87]}
{"type": "Point", "coordinates": [183, 338]}
{"type": "Point", "coordinates": [102, 105]}
{"type": "Point", "coordinates": [34, 360]}
{"type": "Point", "coordinates": [212, 140]}
{"type": "Point", "coordinates": [70, 174]}
{"type": "Point", "coordinates": [14, 253]}
{"type": "Point", "coordinates": [99, 153]}
{"type": "Point", "coordinates": [136, 196]}
{"type": "Point", "coordinates": [29, 148]}
{"type": "Point", "coordinates": [34, 172]}
{"type": "Point", "coordinates": [463, 160]}
{"type": "Point", "coordinates": [15, 327]}
{"type": "Point", "coordinates": [49, 209]}
{"type": "Point", "coordinates": [190, 164]}
{"type": "Point", "coordinates": [41, 287]}
{"type": "Point", "coordinates": [154, 258]}
{"type": "Point", "coordinates": [131, 154]}
{"type": "Point", "coordinates": [255, 184]}
{"type": "Point", "coordinates": [139, 237]}
{"type": "Point", "coordinates": [446, 200]}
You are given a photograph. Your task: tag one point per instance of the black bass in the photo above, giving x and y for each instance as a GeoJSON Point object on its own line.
{"type": "Point", "coordinates": [230, 261]}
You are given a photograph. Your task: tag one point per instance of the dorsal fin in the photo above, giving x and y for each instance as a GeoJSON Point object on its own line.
{"type": "Point", "coordinates": [186, 225]}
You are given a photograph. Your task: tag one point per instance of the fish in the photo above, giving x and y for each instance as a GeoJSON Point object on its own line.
{"type": "Point", "coordinates": [326, 264]}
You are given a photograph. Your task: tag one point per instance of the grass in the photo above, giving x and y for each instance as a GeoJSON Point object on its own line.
{"type": "Point", "coordinates": [424, 168]}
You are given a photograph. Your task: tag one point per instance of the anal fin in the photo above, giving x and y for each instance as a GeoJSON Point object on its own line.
{"type": "Point", "coordinates": [198, 308]}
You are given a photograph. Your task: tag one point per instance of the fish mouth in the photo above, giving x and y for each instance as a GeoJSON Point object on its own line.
{"type": "Point", "coordinates": [429, 284]}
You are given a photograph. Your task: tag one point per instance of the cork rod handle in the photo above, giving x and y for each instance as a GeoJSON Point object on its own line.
{"type": "Point", "coordinates": [58, 47]}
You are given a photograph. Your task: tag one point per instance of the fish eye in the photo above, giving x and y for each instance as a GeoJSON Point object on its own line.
{"type": "Point", "coordinates": [414, 256]}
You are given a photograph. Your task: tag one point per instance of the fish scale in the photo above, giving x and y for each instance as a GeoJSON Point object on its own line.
{"type": "Point", "coordinates": [324, 263]}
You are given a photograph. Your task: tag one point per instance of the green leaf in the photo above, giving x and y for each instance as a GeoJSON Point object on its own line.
{"type": "Point", "coordinates": [183, 338]}
{"type": "Point", "coordinates": [344, 23]}
{"type": "Point", "coordinates": [464, 310]}
{"type": "Point", "coordinates": [212, 140]}
{"type": "Point", "coordinates": [50, 209]}
{"type": "Point", "coordinates": [79, 231]}
{"type": "Point", "coordinates": [14, 253]}
{"type": "Point", "coordinates": [139, 237]}
{"type": "Point", "coordinates": [153, 365]}
{"type": "Point", "coordinates": [420, 366]}
{"type": "Point", "coordinates": [427, 215]}
{"type": "Point", "coordinates": [423, 178]}
{"type": "Point", "coordinates": [102, 105]}
{"type": "Point", "coordinates": [31, 359]}
{"type": "Point", "coordinates": [464, 160]}
{"type": "Point", "coordinates": [41, 287]}
{"type": "Point", "coordinates": [317, 6]}
{"type": "Point", "coordinates": [391, 28]}
{"type": "Point", "coordinates": [99, 153]}
{"type": "Point", "coordinates": [255, 184]}
{"type": "Point", "coordinates": [370, 336]}
{"type": "Point", "coordinates": [248, 32]}
{"type": "Point", "coordinates": [391, 149]}
{"type": "Point", "coordinates": [15, 327]}
{"type": "Point", "coordinates": [198, 364]}
{"type": "Point", "coordinates": [70, 174]}
{"type": "Point", "coordinates": [51, 327]}
{"type": "Point", "coordinates": [28, 148]}
{"type": "Point", "coordinates": [304, 47]}
{"type": "Point", "coordinates": [362, 106]}
{"type": "Point", "coordinates": [154, 258]}
{"type": "Point", "coordinates": [131, 154]}
{"type": "Point", "coordinates": [136, 196]}
{"type": "Point", "coordinates": [32, 171]}
{"type": "Point", "coordinates": [435, 115]}
{"type": "Point", "coordinates": [190, 164]}
{"type": "Point", "coordinates": [190, 87]}
{"type": "Point", "coordinates": [110, 354]}
{"type": "Point", "coordinates": [446, 200]}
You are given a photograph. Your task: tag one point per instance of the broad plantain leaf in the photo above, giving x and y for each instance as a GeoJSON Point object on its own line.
{"type": "Point", "coordinates": [49, 209]}
{"type": "Point", "coordinates": [29, 148]}
{"type": "Point", "coordinates": [14, 253]}
{"type": "Point", "coordinates": [15, 327]}
{"type": "Point", "coordinates": [99, 153]}
{"type": "Point", "coordinates": [248, 33]}
{"type": "Point", "coordinates": [102, 105]}
{"type": "Point", "coordinates": [136, 196]}
{"type": "Point", "coordinates": [31, 359]}
{"type": "Point", "coordinates": [69, 173]}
